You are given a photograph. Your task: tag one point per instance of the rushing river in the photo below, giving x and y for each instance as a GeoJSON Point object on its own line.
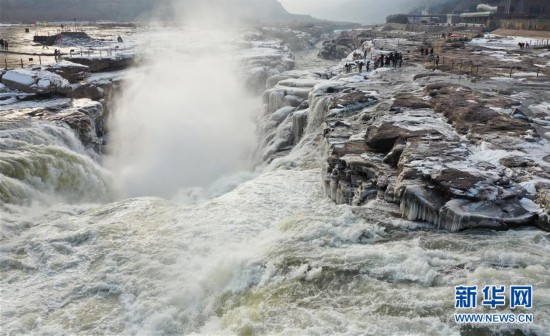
{"type": "Point", "coordinates": [268, 254]}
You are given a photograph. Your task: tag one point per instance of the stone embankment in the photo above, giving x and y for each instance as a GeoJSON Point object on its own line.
{"type": "Point", "coordinates": [65, 92]}
{"type": "Point", "coordinates": [451, 150]}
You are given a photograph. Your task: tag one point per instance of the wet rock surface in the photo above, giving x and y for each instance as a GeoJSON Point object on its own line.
{"type": "Point", "coordinates": [35, 80]}
{"type": "Point", "coordinates": [63, 92]}
{"type": "Point", "coordinates": [343, 44]}
{"type": "Point", "coordinates": [449, 150]}
{"type": "Point", "coordinates": [102, 64]}
{"type": "Point", "coordinates": [73, 72]}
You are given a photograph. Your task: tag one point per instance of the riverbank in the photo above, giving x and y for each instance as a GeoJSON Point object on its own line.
{"type": "Point", "coordinates": [525, 33]}
{"type": "Point", "coordinates": [487, 133]}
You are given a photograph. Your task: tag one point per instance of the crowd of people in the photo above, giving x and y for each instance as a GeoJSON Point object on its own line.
{"type": "Point", "coordinates": [392, 59]}
{"type": "Point", "coordinates": [4, 45]}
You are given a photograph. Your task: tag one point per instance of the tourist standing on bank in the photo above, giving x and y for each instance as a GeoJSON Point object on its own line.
{"type": "Point", "coordinates": [360, 66]}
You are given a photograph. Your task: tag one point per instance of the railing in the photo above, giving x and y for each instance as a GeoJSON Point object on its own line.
{"type": "Point", "coordinates": [58, 31]}
{"type": "Point", "coordinates": [29, 61]}
{"type": "Point", "coordinates": [10, 64]}
{"type": "Point", "coordinates": [467, 66]}
{"type": "Point", "coordinates": [540, 44]}
{"type": "Point", "coordinates": [100, 52]}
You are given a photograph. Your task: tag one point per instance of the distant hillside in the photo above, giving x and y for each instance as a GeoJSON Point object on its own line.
{"type": "Point", "coordinates": [28, 11]}
{"type": "Point", "coordinates": [362, 11]}
{"type": "Point", "coordinates": [376, 11]}
{"type": "Point", "coordinates": [457, 6]}
{"type": "Point", "coordinates": [64, 10]}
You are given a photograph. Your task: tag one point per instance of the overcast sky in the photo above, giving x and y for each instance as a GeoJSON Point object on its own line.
{"type": "Point", "coordinates": [363, 11]}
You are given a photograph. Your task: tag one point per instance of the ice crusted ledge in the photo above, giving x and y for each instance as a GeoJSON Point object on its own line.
{"type": "Point", "coordinates": [418, 204]}
{"type": "Point", "coordinates": [285, 113]}
{"type": "Point", "coordinates": [443, 159]}
{"type": "Point", "coordinates": [461, 214]}
{"type": "Point", "coordinates": [35, 81]}
{"type": "Point", "coordinates": [440, 147]}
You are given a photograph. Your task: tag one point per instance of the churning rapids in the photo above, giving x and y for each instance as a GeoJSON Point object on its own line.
{"type": "Point", "coordinates": [269, 253]}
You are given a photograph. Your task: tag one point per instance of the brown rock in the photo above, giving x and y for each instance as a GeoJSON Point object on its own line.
{"type": "Point", "coordinates": [383, 138]}
{"type": "Point", "coordinates": [357, 97]}
{"type": "Point", "coordinates": [411, 101]}
{"type": "Point", "coordinates": [515, 162]}
{"type": "Point", "coordinates": [454, 178]}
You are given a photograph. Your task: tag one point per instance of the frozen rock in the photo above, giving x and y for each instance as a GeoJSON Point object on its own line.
{"type": "Point", "coordinates": [299, 122]}
{"type": "Point", "coordinates": [352, 102]}
{"type": "Point", "coordinates": [384, 137]}
{"type": "Point", "coordinates": [87, 90]}
{"type": "Point", "coordinates": [101, 64]}
{"type": "Point", "coordinates": [542, 198]}
{"type": "Point", "coordinates": [3, 88]}
{"type": "Point", "coordinates": [515, 162]}
{"type": "Point", "coordinates": [461, 214]}
{"type": "Point", "coordinates": [543, 195]}
{"type": "Point", "coordinates": [416, 160]}
{"type": "Point", "coordinates": [36, 81]}
{"type": "Point", "coordinates": [477, 120]}
{"type": "Point", "coordinates": [85, 117]}
{"type": "Point", "coordinates": [411, 101]}
{"type": "Point", "coordinates": [347, 41]}
{"type": "Point", "coordinates": [73, 72]}
{"type": "Point", "coordinates": [284, 117]}
{"type": "Point", "coordinates": [394, 155]}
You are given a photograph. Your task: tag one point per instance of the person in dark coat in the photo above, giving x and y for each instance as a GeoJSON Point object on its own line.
{"type": "Point", "coordinates": [368, 66]}
{"type": "Point", "coordinates": [382, 60]}
{"type": "Point", "coordinates": [422, 51]}
{"type": "Point", "coordinates": [437, 61]}
{"type": "Point", "coordinates": [432, 51]}
{"type": "Point", "coordinates": [360, 66]}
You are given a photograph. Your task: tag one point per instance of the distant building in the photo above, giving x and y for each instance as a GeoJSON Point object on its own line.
{"type": "Point", "coordinates": [509, 14]}
{"type": "Point", "coordinates": [453, 19]}
{"type": "Point", "coordinates": [478, 18]}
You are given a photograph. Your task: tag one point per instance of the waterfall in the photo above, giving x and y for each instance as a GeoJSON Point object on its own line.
{"type": "Point", "coordinates": [45, 162]}
{"type": "Point", "coordinates": [318, 102]}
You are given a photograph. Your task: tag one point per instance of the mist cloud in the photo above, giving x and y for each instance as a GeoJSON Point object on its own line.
{"type": "Point", "coordinates": [184, 118]}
